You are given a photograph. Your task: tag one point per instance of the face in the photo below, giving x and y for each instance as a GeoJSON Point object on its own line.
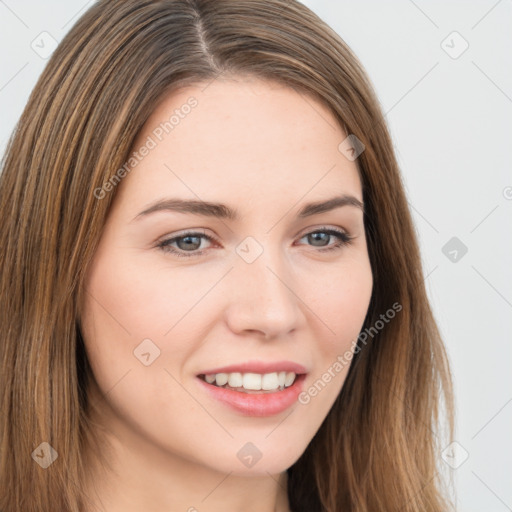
{"type": "Point", "coordinates": [262, 292]}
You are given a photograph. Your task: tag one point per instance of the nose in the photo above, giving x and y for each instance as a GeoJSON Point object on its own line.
{"type": "Point", "coordinates": [262, 299]}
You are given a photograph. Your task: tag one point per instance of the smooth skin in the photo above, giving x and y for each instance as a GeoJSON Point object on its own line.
{"type": "Point", "coordinates": [264, 150]}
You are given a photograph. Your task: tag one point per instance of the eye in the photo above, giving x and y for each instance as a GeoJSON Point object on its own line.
{"type": "Point", "coordinates": [189, 244]}
{"type": "Point", "coordinates": [321, 235]}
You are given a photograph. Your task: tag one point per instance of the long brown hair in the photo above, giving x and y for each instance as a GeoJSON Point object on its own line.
{"type": "Point", "coordinates": [378, 448]}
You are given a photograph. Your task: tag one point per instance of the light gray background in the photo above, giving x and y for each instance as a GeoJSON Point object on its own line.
{"type": "Point", "coordinates": [450, 119]}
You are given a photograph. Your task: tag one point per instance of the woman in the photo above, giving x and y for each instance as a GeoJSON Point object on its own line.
{"type": "Point", "coordinates": [212, 294]}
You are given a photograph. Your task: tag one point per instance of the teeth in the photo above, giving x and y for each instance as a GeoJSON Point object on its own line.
{"type": "Point", "coordinates": [221, 379]}
{"type": "Point", "coordinates": [290, 377]}
{"type": "Point", "coordinates": [252, 381]}
{"type": "Point", "coordinates": [235, 380]}
{"type": "Point", "coordinates": [270, 381]}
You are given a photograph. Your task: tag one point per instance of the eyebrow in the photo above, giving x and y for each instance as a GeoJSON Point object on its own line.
{"type": "Point", "coordinates": [222, 211]}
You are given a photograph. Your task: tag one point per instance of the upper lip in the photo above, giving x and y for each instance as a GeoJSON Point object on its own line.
{"type": "Point", "coordinates": [258, 367]}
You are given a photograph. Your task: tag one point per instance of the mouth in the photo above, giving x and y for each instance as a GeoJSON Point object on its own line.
{"type": "Point", "coordinates": [252, 383]}
{"type": "Point", "coordinates": [245, 393]}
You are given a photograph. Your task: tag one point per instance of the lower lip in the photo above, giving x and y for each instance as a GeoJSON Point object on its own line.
{"type": "Point", "coordinates": [257, 404]}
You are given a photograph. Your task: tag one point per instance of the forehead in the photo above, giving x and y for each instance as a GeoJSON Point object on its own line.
{"type": "Point", "coordinates": [241, 138]}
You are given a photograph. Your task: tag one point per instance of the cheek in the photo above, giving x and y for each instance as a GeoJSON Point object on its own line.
{"type": "Point", "coordinates": [339, 298]}
{"type": "Point", "coordinates": [127, 312]}
{"type": "Point", "coordinates": [130, 301]}
{"type": "Point", "coordinates": [140, 297]}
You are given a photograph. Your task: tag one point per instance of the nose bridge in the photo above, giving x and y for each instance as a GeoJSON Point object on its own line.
{"type": "Point", "coordinates": [261, 296]}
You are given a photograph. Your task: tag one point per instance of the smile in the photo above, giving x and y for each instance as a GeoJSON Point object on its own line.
{"type": "Point", "coordinates": [251, 382]}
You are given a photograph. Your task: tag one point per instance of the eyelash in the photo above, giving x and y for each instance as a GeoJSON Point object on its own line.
{"type": "Point", "coordinates": [343, 240]}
